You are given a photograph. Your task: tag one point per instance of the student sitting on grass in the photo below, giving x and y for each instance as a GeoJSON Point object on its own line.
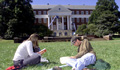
{"type": "Point", "coordinates": [27, 52]}
{"type": "Point", "coordinates": [85, 56]}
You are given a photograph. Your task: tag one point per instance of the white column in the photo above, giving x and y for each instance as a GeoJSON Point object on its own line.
{"type": "Point", "coordinates": [70, 23]}
{"type": "Point", "coordinates": [62, 23]}
{"type": "Point", "coordinates": [48, 22]}
{"type": "Point", "coordinates": [67, 22]}
{"type": "Point", "coordinates": [52, 23]}
{"type": "Point", "coordinates": [57, 24]}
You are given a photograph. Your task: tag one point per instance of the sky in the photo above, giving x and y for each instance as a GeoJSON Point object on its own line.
{"type": "Point", "coordinates": [71, 2]}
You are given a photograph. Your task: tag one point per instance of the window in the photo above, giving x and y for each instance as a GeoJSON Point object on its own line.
{"type": "Point", "coordinates": [65, 27]}
{"type": "Point", "coordinates": [60, 33]}
{"type": "Point", "coordinates": [45, 20]}
{"type": "Point", "coordinates": [91, 12]}
{"type": "Point", "coordinates": [82, 20]}
{"type": "Point", "coordinates": [60, 26]}
{"type": "Point", "coordinates": [82, 12]}
{"type": "Point", "coordinates": [73, 27]}
{"type": "Point", "coordinates": [39, 12]}
{"type": "Point", "coordinates": [78, 20]}
{"type": "Point", "coordinates": [59, 20]}
{"type": "Point", "coordinates": [65, 33]}
{"type": "Point", "coordinates": [44, 12]}
{"type": "Point", "coordinates": [54, 27]}
{"type": "Point", "coordinates": [39, 20]}
{"type": "Point", "coordinates": [73, 20]}
{"type": "Point", "coordinates": [54, 33]}
{"type": "Point", "coordinates": [78, 26]}
{"type": "Point", "coordinates": [35, 21]}
{"type": "Point", "coordinates": [73, 12]}
{"type": "Point", "coordinates": [77, 12]}
{"type": "Point", "coordinates": [65, 20]}
{"type": "Point", "coordinates": [87, 19]}
{"type": "Point", "coordinates": [59, 8]}
{"type": "Point", "coordinates": [86, 12]}
{"type": "Point", "coordinates": [34, 12]}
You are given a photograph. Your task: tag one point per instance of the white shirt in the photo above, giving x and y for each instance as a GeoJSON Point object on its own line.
{"type": "Point", "coordinates": [24, 51]}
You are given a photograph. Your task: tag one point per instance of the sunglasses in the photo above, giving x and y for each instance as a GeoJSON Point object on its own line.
{"type": "Point", "coordinates": [74, 42]}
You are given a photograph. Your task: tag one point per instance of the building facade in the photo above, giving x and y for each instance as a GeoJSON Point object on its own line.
{"type": "Point", "coordinates": [63, 20]}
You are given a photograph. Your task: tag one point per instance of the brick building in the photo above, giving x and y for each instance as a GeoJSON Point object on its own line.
{"type": "Point", "coordinates": [62, 25]}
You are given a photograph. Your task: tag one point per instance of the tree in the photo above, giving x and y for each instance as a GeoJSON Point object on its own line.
{"type": "Point", "coordinates": [2, 19]}
{"type": "Point", "coordinates": [91, 29]}
{"type": "Point", "coordinates": [109, 20]}
{"type": "Point", "coordinates": [1, 26]}
{"type": "Point", "coordinates": [19, 11]}
{"type": "Point", "coordinates": [10, 31]}
{"type": "Point", "coordinates": [101, 30]}
{"type": "Point", "coordinates": [105, 14]}
{"type": "Point", "coordinates": [82, 30]}
{"type": "Point", "coordinates": [25, 17]}
{"type": "Point", "coordinates": [119, 15]}
{"type": "Point", "coordinates": [42, 30]}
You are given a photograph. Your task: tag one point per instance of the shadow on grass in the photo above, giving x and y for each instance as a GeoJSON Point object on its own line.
{"type": "Point", "coordinates": [49, 63]}
{"type": "Point", "coordinates": [38, 65]}
{"type": "Point", "coordinates": [45, 64]}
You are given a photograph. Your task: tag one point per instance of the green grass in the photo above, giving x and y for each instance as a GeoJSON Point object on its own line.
{"type": "Point", "coordinates": [106, 50]}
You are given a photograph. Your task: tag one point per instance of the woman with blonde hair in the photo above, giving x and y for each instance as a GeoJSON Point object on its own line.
{"type": "Point", "coordinates": [26, 53]}
{"type": "Point", "coordinates": [85, 56]}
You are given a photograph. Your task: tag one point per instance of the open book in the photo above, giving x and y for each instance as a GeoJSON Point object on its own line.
{"type": "Point", "coordinates": [43, 50]}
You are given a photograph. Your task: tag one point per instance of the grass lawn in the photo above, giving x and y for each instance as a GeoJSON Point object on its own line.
{"type": "Point", "coordinates": [106, 50]}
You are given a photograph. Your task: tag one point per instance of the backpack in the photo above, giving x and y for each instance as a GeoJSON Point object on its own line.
{"type": "Point", "coordinates": [100, 65]}
{"type": "Point", "coordinates": [13, 68]}
{"type": "Point", "coordinates": [10, 68]}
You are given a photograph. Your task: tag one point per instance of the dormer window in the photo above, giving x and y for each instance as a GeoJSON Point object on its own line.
{"type": "Point", "coordinates": [59, 8]}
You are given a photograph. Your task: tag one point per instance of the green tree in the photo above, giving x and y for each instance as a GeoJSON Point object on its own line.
{"type": "Point", "coordinates": [109, 20]}
{"type": "Point", "coordinates": [119, 15]}
{"type": "Point", "coordinates": [19, 11]}
{"type": "Point", "coordinates": [91, 29]}
{"type": "Point", "coordinates": [105, 14]}
{"type": "Point", "coordinates": [119, 27]}
{"type": "Point", "coordinates": [42, 30]}
{"type": "Point", "coordinates": [25, 17]}
{"type": "Point", "coordinates": [3, 26]}
{"type": "Point", "coordinates": [101, 30]}
{"type": "Point", "coordinates": [10, 31]}
{"type": "Point", "coordinates": [82, 30]}
{"type": "Point", "coordinates": [101, 6]}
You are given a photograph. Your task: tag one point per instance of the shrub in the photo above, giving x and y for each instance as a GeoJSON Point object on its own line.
{"type": "Point", "coordinates": [82, 30]}
{"type": "Point", "coordinates": [42, 30]}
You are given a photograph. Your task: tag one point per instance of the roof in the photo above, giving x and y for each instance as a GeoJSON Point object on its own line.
{"type": "Point", "coordinates": [67, 6]}
{"type": "Point", "coordinates": [59, 8]}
